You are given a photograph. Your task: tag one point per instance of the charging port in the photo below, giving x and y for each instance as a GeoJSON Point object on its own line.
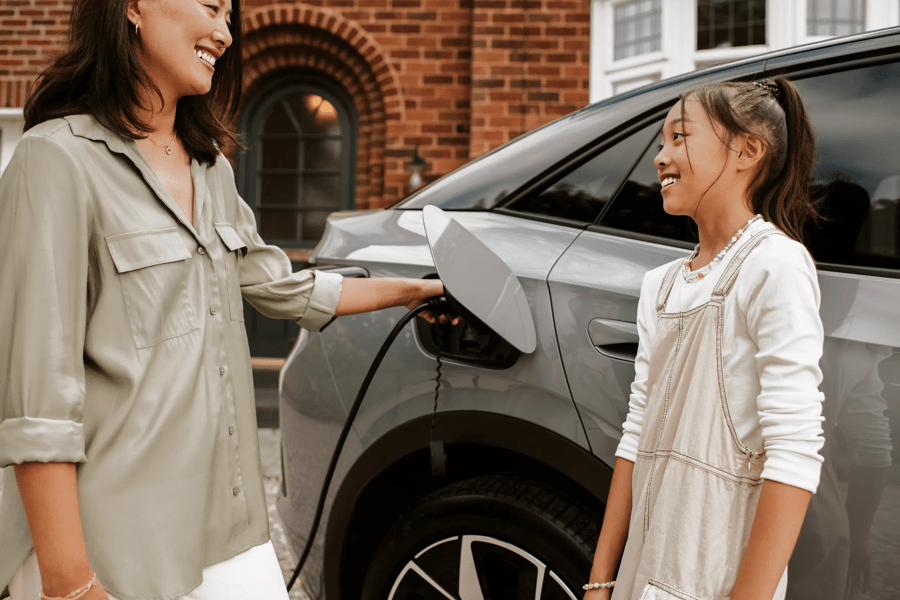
{"type": "Point", "coordinates": [467, 343]}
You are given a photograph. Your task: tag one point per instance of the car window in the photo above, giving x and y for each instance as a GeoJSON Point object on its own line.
{"type": "Point", "coordinates": [583, 193]}
{"type": "Point", "coordinates": [639, 205]}
{"type": "Point", "coordinates": [856, 182]}
{"type": "Point", "coordinates": [857, 176]}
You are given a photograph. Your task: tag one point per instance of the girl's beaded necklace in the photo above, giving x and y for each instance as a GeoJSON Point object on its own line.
{"type": "Point", "coordinates": [694, 276]}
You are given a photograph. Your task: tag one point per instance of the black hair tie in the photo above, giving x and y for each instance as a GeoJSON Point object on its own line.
{"type": "Point", "coordinates": [770, 86]}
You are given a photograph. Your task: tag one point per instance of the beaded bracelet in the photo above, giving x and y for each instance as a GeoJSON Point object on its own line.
{"type": "Point", "coordinates": [597, 586]}
{"type": "Point", "coordinates": [77, 594]}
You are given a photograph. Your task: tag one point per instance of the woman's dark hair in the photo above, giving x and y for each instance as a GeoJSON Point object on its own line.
{"type": "Point", "coordinates": [100, 73]}
{"type": "Point", "coordinates": [773, 112]}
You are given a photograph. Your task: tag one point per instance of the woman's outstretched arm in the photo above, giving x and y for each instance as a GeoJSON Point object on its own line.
{"type": "Point", "coordinates": [614, 531]}
{"type": "Point", "coordinates": [49, 495]}
{"type": "Point", "coordinates": [779, 515]}
{"type": "Point", "coordinates": [364, 295]}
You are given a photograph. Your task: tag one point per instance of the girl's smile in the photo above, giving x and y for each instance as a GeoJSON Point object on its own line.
{"type": "Point", "coordinates": [689, 175]}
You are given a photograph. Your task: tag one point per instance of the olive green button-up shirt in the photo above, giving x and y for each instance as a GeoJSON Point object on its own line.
{"type": "Point", "coordinates": [122, 348]}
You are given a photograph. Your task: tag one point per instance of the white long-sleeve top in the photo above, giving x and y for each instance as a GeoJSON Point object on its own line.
{"type": "Point", "coordinates": [773, 340]}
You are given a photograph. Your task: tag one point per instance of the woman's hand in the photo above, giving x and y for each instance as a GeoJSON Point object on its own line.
{"type": "Point", "coordinates": [97, 593]}
{"type": "Point", "coordinates": [422, 291]}
{"type": "Point", "coordinates": [364, 295]}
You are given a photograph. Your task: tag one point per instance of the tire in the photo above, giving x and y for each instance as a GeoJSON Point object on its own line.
{"type": "Point", "coordinates": [490, 535]}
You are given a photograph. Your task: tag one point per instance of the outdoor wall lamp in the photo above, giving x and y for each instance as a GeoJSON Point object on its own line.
{"type": "Point", "coordinates": [417, 166]}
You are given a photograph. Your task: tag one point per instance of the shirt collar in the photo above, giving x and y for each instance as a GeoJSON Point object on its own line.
{"type": "Point", "coordinates": [86, 126]}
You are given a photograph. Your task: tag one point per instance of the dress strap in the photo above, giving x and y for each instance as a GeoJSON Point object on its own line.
{"type": "Point", "coordinates": [666, 287]}
{"type": "Point", "coordinates": [729, 276]}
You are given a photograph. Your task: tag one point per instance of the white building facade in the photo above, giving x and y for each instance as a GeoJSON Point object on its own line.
{"type": "Point", "coordinates": [636, 42]}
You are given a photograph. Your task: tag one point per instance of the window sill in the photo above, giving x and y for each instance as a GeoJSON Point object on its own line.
{"type": "Point", "coordinates": [636, 61]}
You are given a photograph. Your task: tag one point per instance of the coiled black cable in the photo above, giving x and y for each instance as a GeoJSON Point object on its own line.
{"type": "Point", "coordinates": [437, 306]}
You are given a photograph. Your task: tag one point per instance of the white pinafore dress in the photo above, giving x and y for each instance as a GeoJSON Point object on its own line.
{"type": "Point", "coordinates": [695, 484]}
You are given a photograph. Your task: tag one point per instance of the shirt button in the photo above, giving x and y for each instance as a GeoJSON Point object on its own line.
{"type": "Point", "coordinates": [231, 430]}
{"type": "Point", "coordinates": [236, 490]}
{"type": "Point", "coordinates": [221, 370]}
{"type": "Point", "coordinates": [201, 250]}
{"type": "Point", "coordinates": [212, 310]}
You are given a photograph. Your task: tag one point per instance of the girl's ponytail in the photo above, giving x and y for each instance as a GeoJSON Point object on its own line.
{"type": "Point", "coordinates": [784, 199]}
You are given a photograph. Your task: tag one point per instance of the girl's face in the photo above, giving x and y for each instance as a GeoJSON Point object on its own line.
{"type": "Point", "coordinates": [687, 176]}
{"type": "Point", "coordinates": [179, 42]}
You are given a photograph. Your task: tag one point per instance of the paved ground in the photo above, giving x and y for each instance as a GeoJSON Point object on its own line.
{"type": "Point", "coordinates": [270, 451]}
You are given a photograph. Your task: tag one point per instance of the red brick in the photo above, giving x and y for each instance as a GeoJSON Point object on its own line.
{"type": "Point", "coordinates": [455, 77]}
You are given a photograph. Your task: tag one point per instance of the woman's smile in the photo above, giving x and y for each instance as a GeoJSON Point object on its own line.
{"type": "Point", "coordinates": [206, 58]}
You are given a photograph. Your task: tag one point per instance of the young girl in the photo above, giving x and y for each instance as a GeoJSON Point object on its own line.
{"type": "Point", "coordinates": [720, 452]}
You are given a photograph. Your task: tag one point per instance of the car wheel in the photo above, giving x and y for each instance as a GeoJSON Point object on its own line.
{"type": "Point", "coordinates": [486, 538]}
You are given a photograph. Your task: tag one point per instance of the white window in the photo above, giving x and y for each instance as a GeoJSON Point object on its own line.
{"type": "Point", "coordinates": [638, 28]}
{"type": "Point", "coordinates": [835, 17]}
{"type": "Point", "coordinates": [11, 122]}
{"type": "Point", "coordinates": [730, 23]}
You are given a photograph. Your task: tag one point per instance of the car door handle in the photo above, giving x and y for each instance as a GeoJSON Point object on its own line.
{"type": "Point", "coordinates": [614, 339]}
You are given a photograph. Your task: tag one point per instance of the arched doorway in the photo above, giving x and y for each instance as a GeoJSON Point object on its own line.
{"type": "Point", "coordinates": [299, 166]}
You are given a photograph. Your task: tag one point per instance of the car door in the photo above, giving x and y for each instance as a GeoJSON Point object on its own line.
{"type": "Point", "coordinates": [595, 287]}
{"type": "Point", "coordinates": [850, 532]}
{"type": "Point", "coordinates": [852, 525]}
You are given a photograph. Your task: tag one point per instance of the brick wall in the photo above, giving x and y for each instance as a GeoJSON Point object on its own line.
{"type": "Point", "coordinates": [30, 32]}
{"type": "Point", "coordinates": [530, 65]}
{"type": "Point", "coordinates": [455, 77]}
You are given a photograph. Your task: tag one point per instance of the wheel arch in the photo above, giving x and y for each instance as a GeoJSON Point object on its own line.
{"type": "Point", "coordinates": [398, 465]}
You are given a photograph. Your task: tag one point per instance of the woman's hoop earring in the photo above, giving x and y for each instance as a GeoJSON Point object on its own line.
{"type": "Point", "coordinates": [137, 28]}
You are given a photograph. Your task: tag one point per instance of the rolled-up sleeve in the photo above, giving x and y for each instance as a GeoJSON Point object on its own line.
{"type": "Point", "coordinates": [44, 237]}
{"type": "Point", "coordinates": [269, 285]}
{"type": "Point", "coordinates": [783, 320]}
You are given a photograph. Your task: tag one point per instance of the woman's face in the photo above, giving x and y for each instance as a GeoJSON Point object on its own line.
{"type": "Point", "coordinates": [179, 42]}
{"type": "Point", "coordinates": [687, 176]}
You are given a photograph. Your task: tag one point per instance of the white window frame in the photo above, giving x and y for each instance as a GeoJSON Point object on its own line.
{"type": "Point", "coordinates": [785, 27]}
{"type": "Point", "coordinates": [769, 7]}
{"type": "Point", "coordinates": [613, 6]}
{"type": "Point", "coordinates": [11, 123]}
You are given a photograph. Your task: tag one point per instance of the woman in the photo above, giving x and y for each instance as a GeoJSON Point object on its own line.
{"type": "Point", "coordinates": [720, 453]}
{"type": "Point", "coordinates": [127, 404]}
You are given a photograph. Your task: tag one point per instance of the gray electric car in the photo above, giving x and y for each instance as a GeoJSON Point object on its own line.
{"type": "Point", "coordinates": [513, 507]}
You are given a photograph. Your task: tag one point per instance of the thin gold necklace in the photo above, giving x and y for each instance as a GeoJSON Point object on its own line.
{"type": "Point", "coordinates": [167, 146]}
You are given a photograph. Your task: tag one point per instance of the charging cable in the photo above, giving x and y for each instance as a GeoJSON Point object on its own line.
{"type": "Point", "coordinates": [437, 306]}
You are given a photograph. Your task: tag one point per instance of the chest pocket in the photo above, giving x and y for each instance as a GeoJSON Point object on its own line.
{"type": "Point", "coordinates": [153, 274]}
{"type": "Point", "coordinates": [236, 251]}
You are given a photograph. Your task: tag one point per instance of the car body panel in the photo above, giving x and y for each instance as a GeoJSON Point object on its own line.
{"type": "Point", "coordinates": [599, 277]}
{"type": "Point", "coordinates": [582, 283]}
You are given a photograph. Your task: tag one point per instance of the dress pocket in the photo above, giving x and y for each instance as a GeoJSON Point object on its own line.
{"type": "Point", "coordinates": [657, 590]}
{"type": "Point", "coordinates": [153, 275]}
{"type": "Point", "coordinates": [236, 251]}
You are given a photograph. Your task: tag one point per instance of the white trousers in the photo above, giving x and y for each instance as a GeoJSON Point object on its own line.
{"type": "Point", "coordinates": [251, 575]}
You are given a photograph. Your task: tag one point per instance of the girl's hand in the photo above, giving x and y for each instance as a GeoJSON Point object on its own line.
{"type": "Point", "coordinates": [599, 594]}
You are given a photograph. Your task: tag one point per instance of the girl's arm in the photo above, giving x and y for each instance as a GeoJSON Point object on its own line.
{"type": "Point", "coordinates": [782, 308]}
{"type": "Point", "coordinates": [617, 517]}
{"type": "Point", "coordinates": [614, 531]}
{"type": "Point", "coordinates": [50, 498]}
{"type": "Point", "coordinates": [779, 515]}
